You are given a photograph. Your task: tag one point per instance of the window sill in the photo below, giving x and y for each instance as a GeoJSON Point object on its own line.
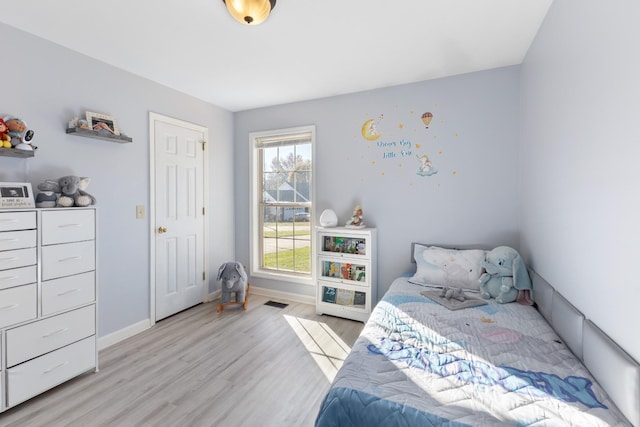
{"type": "Point", "coordinates": [301, 280]}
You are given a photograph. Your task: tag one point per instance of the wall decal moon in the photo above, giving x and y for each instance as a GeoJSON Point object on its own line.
{"type": "Point", "coordinates": [369, 131]}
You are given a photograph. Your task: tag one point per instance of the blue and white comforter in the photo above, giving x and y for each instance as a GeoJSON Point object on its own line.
{"type": "Point", "coordinates": [417, 363]}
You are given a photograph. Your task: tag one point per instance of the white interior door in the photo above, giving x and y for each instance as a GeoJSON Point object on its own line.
{"type": "Point", "coordinates": [179, 215]}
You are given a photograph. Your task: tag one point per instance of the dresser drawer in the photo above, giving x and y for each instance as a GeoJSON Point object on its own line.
{"type": "Point", "coordinates": [18, 276]}
{"type": "Point", "coordinates": [31, 378]}
{"type": "Point", "coordinates": [17, 304]}
{"type": "Point", "coordinates": [10, 221]}
{"type": "Point", "coordinates": [37, 338]}
{"type": "Point", "coordinates": [17, 258]}
{"type": "Point", "coordinates": [68, 292]}
{"type": "Point", "coordinates": [68, 226]}
{"type": "Point", "coordinates": [67, 259]}
{"type": "Point", "coordinates": [17, 239]}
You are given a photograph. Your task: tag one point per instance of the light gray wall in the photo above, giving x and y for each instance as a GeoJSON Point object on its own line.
{"type": "Point", "coordinates": [46, 85]}
{"type": "Point", "coordinates": [580, 175]}
{"type": "Point", "coordinates": [473, 200]}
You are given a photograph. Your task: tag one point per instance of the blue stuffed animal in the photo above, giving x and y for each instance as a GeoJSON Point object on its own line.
{"type": "Point", "coordinates": [234, 279]}
{"type": "Point", "coordinates": [505, 276]}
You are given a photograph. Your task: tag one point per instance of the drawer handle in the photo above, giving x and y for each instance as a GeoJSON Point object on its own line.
{"type": "Point", "coordinates": [9, 240]}
{"type": "Point", "coordinates": [9, 259]}
{"type": "Point", "coordinates": [59, 331]}
{"type": "Point", "coordinates": [68, 225]}
{"type": "Point", "coordinates": [56, 367]}
{"type": "Point", "coordinates": [70, 291]}
{"type": "Point", "coordinates": [9, 307]}
{"type": "Point", "coordinates": [71, 258]}
{"type": "Point", "coordinates": [8, 220]}
{"type": "Point", "coordinates": [8, 278]}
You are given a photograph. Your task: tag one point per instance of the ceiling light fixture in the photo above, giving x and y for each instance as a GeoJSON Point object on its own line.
{"type": "Point", "coordinates": [250, 12]}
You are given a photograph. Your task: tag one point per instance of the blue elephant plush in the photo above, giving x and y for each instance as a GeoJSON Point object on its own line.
{"type": "Point", "coordinates": [233, 278]}
{"type": "Point", "coordinates": [505, 276]}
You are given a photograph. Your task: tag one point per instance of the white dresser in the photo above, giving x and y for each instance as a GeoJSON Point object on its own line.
{"type": "Point", "coordinates": [48, 290]}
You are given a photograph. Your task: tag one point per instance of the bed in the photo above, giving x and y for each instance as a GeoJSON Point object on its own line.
{"type": "Point", "coordinates": [418, 363]}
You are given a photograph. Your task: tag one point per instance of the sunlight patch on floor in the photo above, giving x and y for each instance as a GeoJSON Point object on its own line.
{"type": "Point", "coordinates": [323, 344]}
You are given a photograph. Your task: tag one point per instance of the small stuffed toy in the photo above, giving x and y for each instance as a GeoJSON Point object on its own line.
{"type": "Point", "coordinates": [46, 199]}
{"type": "Point", "coordinates": [234, 279]}
{"type": "Point", "coordinates": [505, 277]}
{"type": "Point", "coordinates": [453, 293]}
{"type": "Point", "coordinates": [70, 191]}
{"type": "Point", "coordinates": [356, 221]}
{"type": "Point", "coordinates": [20, 136]}
{"type": "Point", "coordinates": [5, 139]}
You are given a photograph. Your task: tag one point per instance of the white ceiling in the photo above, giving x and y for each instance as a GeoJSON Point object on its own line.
{"type": "Point", "coordinates": [307, 49]}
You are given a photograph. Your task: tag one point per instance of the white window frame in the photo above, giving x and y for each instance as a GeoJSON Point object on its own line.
{"type": "Point", "coordinates": [254, 208]}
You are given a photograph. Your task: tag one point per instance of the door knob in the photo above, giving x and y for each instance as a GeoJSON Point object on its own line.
{"type": "Point", "coordinates": [162, 230]}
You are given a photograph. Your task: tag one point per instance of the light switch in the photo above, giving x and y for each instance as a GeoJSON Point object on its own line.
{"type": "Point", "coordinates": [140, 211]}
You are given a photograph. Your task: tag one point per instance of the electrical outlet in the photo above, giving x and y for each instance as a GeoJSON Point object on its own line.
{"type": "Point", "coordinates": [140, 211]}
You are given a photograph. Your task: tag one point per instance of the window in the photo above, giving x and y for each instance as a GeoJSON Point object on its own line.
{"type": "Point", "coordinates": [282, 203]}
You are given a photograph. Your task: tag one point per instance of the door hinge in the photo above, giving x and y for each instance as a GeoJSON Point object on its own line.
{"type": "Point", "coordinates": [202, 211]}
{"type": "Point", "coordinates": [203, 144]}
{"type": "Point", "coordinates": [203, 276]}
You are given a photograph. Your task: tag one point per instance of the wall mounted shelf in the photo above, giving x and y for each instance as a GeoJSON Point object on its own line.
{"type": "Point", "coordinates": [12, 152]}
{"type": "Point", "coordinates": [88, 133]}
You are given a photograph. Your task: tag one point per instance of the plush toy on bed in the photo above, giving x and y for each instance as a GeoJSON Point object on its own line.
{"type": "Point", "coordinates": [234, 279]}
{"type": "Point", "coordinates": [70, 189]}
{"type": "Point", "coordinates": [453, 293]}
{"type": "Point", "coordinates": [505, 277]}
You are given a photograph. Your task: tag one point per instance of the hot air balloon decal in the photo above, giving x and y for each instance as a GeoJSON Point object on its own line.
{"type": "Point", "coordinates": [426, 119]}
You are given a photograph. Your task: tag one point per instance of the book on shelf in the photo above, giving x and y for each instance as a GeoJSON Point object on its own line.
{"type": "Point", "coordinates": [331, 269]}
{"type": "Point", "coordinates": [329, 294]}
{"type": "Point", "coordinates": [359, 298]}
{"type": "Point", "coordinates": [345, 271]}
{"type": "Point", "coordinates": [329, 244]}
{"type": "Point", "coordinates": [359, 273]}
{"type": "Point", "coordinates": [350, 246]}
{"type": "Point", "coordinates": [345, 296]}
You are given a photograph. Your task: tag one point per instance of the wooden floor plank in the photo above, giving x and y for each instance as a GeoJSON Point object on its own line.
{"type": "Point", "coordinates": [259, 367]}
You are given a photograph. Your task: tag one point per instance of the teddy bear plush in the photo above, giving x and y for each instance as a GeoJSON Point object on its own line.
{"type": "Point", "coordinates": [69, 190]}
{"type": "Point", "coordinates": [505, 276]}
{"type": "Point", "coordinates": [233, 278]}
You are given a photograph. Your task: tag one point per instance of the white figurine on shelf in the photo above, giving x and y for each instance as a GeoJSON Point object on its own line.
{"type": "Point", "coordinates": [356, 220]}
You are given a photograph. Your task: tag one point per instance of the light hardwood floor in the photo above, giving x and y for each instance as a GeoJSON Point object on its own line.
{"type": "Point", "coordinates": [262, 367]}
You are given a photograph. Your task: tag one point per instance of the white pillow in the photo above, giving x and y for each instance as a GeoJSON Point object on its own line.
{"type": "Point", "coordinates": [448, 267]}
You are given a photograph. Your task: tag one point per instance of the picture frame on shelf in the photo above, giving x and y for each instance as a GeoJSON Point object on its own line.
{"type": "Point", "coordinates": [102, 123]}
{"type": "Point", "coordinates": [16, 195]}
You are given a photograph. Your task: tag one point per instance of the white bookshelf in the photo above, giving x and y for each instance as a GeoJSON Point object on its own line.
{"type": "Point", "coordinates": [345, 272]}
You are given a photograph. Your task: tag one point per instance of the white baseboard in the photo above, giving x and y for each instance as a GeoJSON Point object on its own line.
{"type": "Point", "coordinates": [212, 296]}
{"type": "Point", "coordinates": [143, 325]}
{"type": "Point", "coordinates": [270, 293]}
{"type": "Point", "coordinates": [136, 328]}
{"type": "Point", "coordinates": [122, 334]}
